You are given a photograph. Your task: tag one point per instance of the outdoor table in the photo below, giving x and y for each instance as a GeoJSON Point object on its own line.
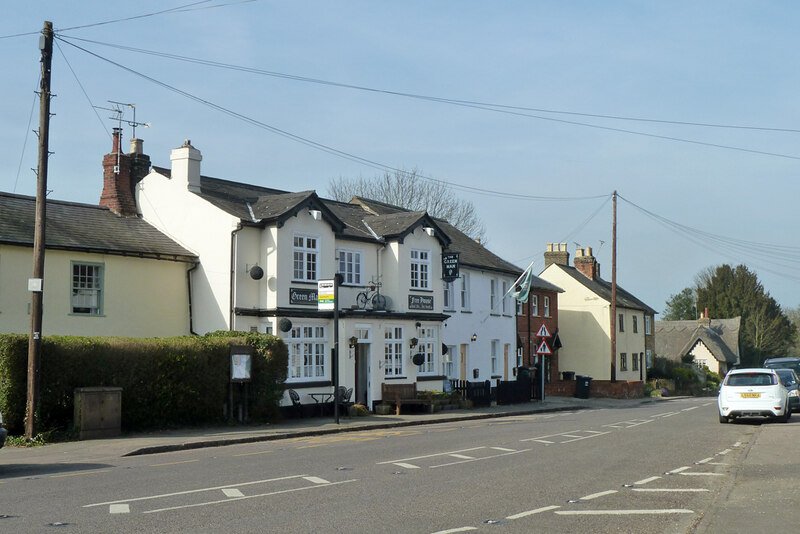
{"type": "Point", "coordinates": [321, 399]}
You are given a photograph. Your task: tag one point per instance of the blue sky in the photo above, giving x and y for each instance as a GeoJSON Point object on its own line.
{"type": "Point", "coordinates": [726, 63]}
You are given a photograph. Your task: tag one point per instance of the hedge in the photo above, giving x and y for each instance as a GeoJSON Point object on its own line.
{"type": "Point", "coordinates": [166, 382]}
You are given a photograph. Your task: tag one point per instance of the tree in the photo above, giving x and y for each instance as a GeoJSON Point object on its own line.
{"type": "Point", "coordinates": [681, 306]}
{"type": "Point", "coordinates": [794, 316]}
{"type": "Point", "coordinates": [767, 331]}
{"type": "Point", "coordinates": [409, 190]}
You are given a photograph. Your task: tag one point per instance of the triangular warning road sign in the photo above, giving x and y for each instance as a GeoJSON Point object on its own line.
{"type": "Point", "coordinates": [544, 349]}
{"type": "Point", "coordinates": [543, 331]}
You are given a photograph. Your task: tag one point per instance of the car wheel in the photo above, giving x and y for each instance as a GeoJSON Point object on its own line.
{"type": "Point", "coordinates": [788, 415]}
{"type": "Point", "coordinates": [723, 419]}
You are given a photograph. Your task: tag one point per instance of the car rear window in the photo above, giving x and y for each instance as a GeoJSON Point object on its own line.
{"type": "Point", "coordinates": [751, 379]}
{"type": "Point", "coordinates": [793, 365]}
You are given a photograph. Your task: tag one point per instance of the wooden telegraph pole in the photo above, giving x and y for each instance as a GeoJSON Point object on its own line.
{"type": "Point", "coordinates": [36, 284]}
{"type": "Point", "coordinates": [614, 291]}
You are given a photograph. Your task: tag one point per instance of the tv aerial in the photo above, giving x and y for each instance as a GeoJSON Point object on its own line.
{"type": "Point", "coordinates": [118, 113]}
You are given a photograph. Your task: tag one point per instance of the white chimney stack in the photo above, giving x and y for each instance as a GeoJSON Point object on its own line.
{"type": "Point", "coordinates": [186, 165]}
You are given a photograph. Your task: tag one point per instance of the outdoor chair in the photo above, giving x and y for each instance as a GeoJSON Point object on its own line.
{"type": "Point", "coordinates": [298, 408]}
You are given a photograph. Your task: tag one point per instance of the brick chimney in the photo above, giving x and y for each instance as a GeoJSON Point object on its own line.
{"type": "Point", "coordinates": [586, 263]}
{"type": "Point", "coordinates": [121, 173]}
{"type": "Point", "coordinates": [705, 319]}
{"type": "Point", "coordinates": [186, 165]}
{"type": "Point", "coordinates": [556, 253]}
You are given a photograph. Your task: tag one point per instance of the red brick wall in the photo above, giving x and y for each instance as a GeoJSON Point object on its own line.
{"type": "Point", "coordinates": [621, 389]}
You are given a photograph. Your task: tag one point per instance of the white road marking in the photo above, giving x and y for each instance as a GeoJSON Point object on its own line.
{"type": "Point", "coordinates": [316, 480]}
{"type": "Point", "coordinates": [690, 409]}
{"type": "Point", "coordinates": [188, 492]}
{"type": "Point", "coordinates": [670, 414]}
{"type": "Point", "coordinates": [550, 436]}
{"type": "Point", "coordinates": [737, 444]}
{"type": "Point", "coordinates": [708, 404]}
{"type": "Point", "coordinates": [462, 456]}
{"type": "Point", "coordinates": [232, 492]}
{"type": "Point", "coordinates": [726, 451]}
{"type": "Point", "coordinates": [676, 490]}
{"type": "Point", "coordinates": [646, 480]}
{"type": "Point", "coordinates": [429, 456]}
{"type": "Point", "coordinates": [532, 512]}
{"type": "Point", "coordinates": [585, 437]}
{"type": "Point", "coordinates": [678, 470]}
{"type": "Point", "coordinates": [119, 509]}
{"type": "Point", "coordinates": [624, 512]}
{"type": "Point", "coordinates": [705, 460]}
{"type": "Point", "coordinates": [246, 497]}
{"type": "Point", "coordinates": [478, 459]}
{"type": "Point", "coordinates": [597, 495]}
{"type": "Point", "coordinates": [717, 463]}
{"type": "Point", "coordinates": [406, 466]}
{"type": "Point", "coordinates": [502, 449]}
{"type": "Point", "coordinates": [459, 529]}
{"type": "Point", "coordinates": [702, 474]}
{"type": "Point", "coordinates": [571, 436]}
{"type": "Point", "coordinates": [542, 441]}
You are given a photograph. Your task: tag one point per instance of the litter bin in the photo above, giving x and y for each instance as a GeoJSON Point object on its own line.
{"type": "Point", "coordinates": [568, 376]}
{"type": "Point", "coordinates": [582, 384]}
{"type": "Point", "coordinates": [523, 373]}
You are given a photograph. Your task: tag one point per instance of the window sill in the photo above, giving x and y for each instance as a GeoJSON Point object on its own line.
{"type": "Point", "coordinates": [395, 378]}
{"type": "Point", "coordinates": [87, 314]}
{"type": "Point", "coordinates": [420, 290]}
{"type": "Point", "coordinates": [466, 311]}
{"type": "Point", "coordinates": [307, 282]}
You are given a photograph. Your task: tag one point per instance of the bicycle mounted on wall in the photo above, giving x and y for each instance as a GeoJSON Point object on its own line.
{"type": "Point", "coordinates": [371, 298]}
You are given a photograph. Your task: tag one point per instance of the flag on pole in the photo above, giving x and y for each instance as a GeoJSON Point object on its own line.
{"type": "Point", "coordinates": [523, 285]}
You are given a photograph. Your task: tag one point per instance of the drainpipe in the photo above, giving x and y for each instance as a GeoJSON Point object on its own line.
{"type": "Point", "coordinates": [189, 284]}
{"type": "Point", "coordinates": [234, 249]}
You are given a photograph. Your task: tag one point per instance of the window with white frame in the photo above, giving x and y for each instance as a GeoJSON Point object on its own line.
{"type": "Point", "coordinates": [449, 296]}
{"type": "Point", "coordinates": [700, 363]}
{"type": "Point", "coordinates": [350, 266]}
{"type": "Point", "coordinates": [426, 345]}
{"type": "Point", "coordinates": [393, 351]}
{"type": "Point", "coordinates": [87, 289]}
{"type": "Point", "coordinates": [547, 306]}
{"type": "Point", "coordinates": [305, 257]}
{"type": "Point", "coordinates": [647, 325]}
{"type": "Point", "coordinates": [450, 360]}
{"type": "Point", "coordinates": [307, 352]}
{"type": "Point", "coordinates": [505, 297]}
{"type": "Point", "coordinates": [493, 347]}
{"type": "Point", "coordinates": [533, 302]}
{"type": "Point", "coordinates": [623, 361]}
{"type": "Point", "coordinates": [493, 296]}
{"type": "Point", "coordinates": [465, 291]}
{"type": "Point", "coordinates": [420, 269]}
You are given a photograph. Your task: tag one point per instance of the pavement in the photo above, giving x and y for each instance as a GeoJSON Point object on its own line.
{"type": "Point", "coordinates": [194, 438]}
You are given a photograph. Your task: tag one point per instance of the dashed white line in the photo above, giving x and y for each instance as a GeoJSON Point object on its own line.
{"type": "Point", "coordinates": [678, 470]}
{"type": "Point", "coordinates": [232, 492]}
{"type": "Point", "coordinates": [705, 460]}
{"type": "Point", "coordinates": [119, 509]}
{"type": "Point", "coordinates": [459, 529]}
{"type": "Point", "coordinates": [429, 456]}
{"type": "Point", "coordinates": [405, 465]}
{"type": "Point", "coordinates": [669, 490]}
{"type": "Point", "coordinates": [702, 474]}
{"type": "Point", "coordinates": [646, 481]}
{"type": "Point", "coordinates": [532, 512]}
{"type": "Point", "coordinates": [502, 449]}
{"type": "Point", "coordinates": [598, 495]}
{"type": "Point", "coordinates": [690, 409]}
{"type": "Point", "coordinates": [316, 480]}
{"type": "Point", "coordinates": [462, 456]}
{"type": "Point", "coordinates": [726, 451]}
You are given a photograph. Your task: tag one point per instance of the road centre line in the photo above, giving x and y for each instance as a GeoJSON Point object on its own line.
{"type": "Point", "coordinates": [188, 492]}
{"type": "Point", "coordinates": [452, 530]}
{"type": "Point", "coordinates": [230, 492]}
{"type": "Point", "coordinates": [482, 458]}
{"type": "Point", "coordinates": [196, 505]}
{"type": "Point", "coordinates": [462, 456]}
{"type": "Point", "coordinates": [597, 495]}
{"type": "Point", "coordinates": [705, 460]}
{"type": "Point", "coordinates": [550, 435]}
{"type": "Point", "coordinates": [585, 437]}
{"type": "Point", "coordinates": [502, 449]}
{"type": "Point", "coordinates": [665, 414]}
{"type": "Point", "coordinates": [690, 409]}
{"type": "Point", "coordinates": [726, 451]}
{"type": "Point", "coordinates": [430, 455]}
{"type": "Point", "coordinates": [316, 480]}
{"type": "Point", "coordinates": [406, 466]}
{"type": "Point", "coordinates": [702, 474]}
{"type": "Point", "coordinates": [251, 453]}
{"type": "Point", "coordinates": [174, 463]}
{"type": "Point", "coordinates": [532, 512]}
{"type": "Point", "coordinates": [624, 512]}
{"type": "Point", "coordinates": [678, 470]}
{"type": "Point", "coordinates": [646, 481]}
{"type": "Point", "coordinates": [80, 474]}
{"type": "Point", "coordinates": [675, 490]}
{"type": "Point", "coordinates": [119, 509]}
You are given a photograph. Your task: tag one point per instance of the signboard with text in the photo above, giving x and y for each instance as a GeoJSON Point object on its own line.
{"type": "Point", "coordinates": [325, 295]}
{"type": "Point", "coordinates": [449, 266]}
{"type": "Point", "coordinates": [302, 296]}
{"type": "Point", "coordinates": [420, 302]}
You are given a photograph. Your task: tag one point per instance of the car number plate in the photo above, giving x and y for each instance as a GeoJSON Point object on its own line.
{"type": "Point", "coordinates": [751, 395]}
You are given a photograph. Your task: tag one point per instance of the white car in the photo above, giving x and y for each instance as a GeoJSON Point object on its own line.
{"type": "Point", "coordinates": [756, 392]}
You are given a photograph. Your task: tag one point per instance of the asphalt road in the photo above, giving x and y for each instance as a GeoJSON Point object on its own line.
{"type": "Point", "coordinates": [652, 468]}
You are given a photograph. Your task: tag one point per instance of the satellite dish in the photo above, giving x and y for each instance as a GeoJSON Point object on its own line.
{"type": "Point", "coordinates": [256, 272]}
{"type": "Point", "coordinates": [284, 324]}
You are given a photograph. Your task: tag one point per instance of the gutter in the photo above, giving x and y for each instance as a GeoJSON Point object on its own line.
{"type": "Point", "coordinates": [232, 288]}
{"type": "Point", "coordinates": [189, 284]}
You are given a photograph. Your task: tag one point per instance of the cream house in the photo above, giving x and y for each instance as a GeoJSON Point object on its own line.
{"type": "Point", "coordinates": [714, 344]}
{"type": "Point", "coordinates": [105, 274]}
{"type": "Point", "coordinates": [584, 317]}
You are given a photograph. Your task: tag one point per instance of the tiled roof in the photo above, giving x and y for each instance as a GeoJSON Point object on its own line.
{"type": "Point", "coordinates": [86, 227]}
{"type": "Point", "coordinates": [676, 338]}
{"type": "Point", "coordinates": [602, 289]}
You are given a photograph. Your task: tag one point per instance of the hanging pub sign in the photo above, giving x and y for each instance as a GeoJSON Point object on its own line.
{"type": "Point", "coordinates": [449, 266]}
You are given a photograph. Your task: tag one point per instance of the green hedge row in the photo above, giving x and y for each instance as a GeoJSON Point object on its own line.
{"type": "Point", "coordinates": [166, 382]}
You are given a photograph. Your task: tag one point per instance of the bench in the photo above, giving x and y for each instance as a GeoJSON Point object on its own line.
{"type": "Point", "coordinates": [400, 394]}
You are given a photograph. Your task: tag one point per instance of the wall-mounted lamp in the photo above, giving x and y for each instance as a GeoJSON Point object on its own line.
{"type": "Point", "coordinates": [474, 337]}
{"type": "Point", "coordinates": [353, 340]}
{"type": "Point", "coordinates": [428, 230]}
{"type": "Point", "coordinates": [413, 342]}
{"type": "Point", "coordinates": [315, 214]}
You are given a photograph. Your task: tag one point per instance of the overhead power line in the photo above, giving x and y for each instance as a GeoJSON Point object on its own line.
{"type": "Point", "coordinates": [326, 148]}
